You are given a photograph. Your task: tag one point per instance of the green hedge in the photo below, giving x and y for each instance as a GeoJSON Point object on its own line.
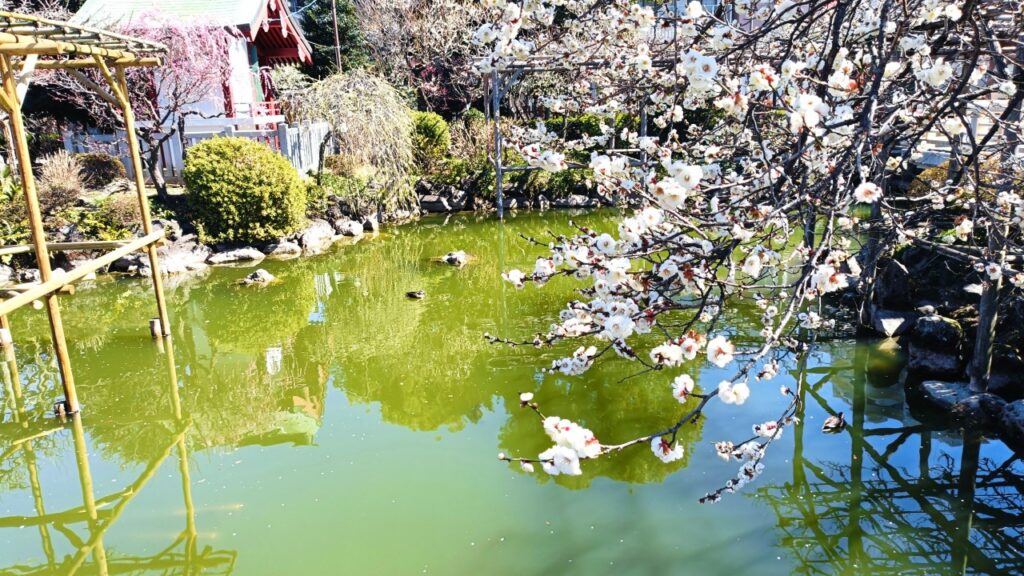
{"type": "Point", "coordinates": [431, 139]}
{"type": "Point", "coordinates": [242, 191]}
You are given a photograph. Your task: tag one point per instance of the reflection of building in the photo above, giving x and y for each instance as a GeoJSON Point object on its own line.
{"type": "Point", "coordinates": [183, 554]}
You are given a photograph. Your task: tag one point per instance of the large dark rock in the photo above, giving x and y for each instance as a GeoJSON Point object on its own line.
{"type": "Point", "coordinates": [935, 347]}
{"type": "Point", "coordinates": [434, 204]}
{"type": "Point", "coordinates": [349, 228]}
{"type": "Point", "coordinates": [941, 396]}
{"type": "Point", "coordinates": [891, 323]}
{"type": "Point", "coordinates": [1007, 376]}
{"type": "Point", "coordinates": [892, 288]}
{"type": "Point", "coordinates": [1011, 425]}
{"type": "Point", "coordinates": [980, 412]}
{"type": "Point", "coordinates": [316, 238]}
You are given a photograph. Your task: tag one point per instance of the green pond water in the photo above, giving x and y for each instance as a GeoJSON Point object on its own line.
{"type": "Point", "coordinates": [329, 425]}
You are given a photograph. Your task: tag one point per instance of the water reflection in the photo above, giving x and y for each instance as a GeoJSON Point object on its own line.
{"type": "Point", "coordinates": [905, 498]}
{"type": "Point", "coordinates": [83, 528]}
{"type": "Point", "coordinates": [335, 362]}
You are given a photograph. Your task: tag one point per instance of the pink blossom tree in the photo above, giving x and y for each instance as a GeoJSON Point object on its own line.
{"type": "Point", "coordinates": [190, 82]}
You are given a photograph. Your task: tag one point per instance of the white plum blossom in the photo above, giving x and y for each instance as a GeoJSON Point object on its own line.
{"type": "Point", "coordinates": [665, 451]}
{"type": "Point", "coordinates": [733, 393]}
{"type": "Point", "coordinates": [560, 460]}
{"type": "Point", "coordinates": [682, 387]}
{"type": "Point", "coordinates": [667, 354]}
{"type": "Point", "coordinates": [720, 351]}
{"type": "Point", "coordinates": [867, 192]}
{"type": "Point", "coordinates": [515, 277]}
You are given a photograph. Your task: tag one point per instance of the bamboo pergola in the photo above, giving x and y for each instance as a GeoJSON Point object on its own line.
{"type": "Point", "coordinates": [27, 44]}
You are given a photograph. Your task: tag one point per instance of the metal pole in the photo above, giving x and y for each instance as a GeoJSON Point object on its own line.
{"type": "Point", "coordinates": [35, 219]}
{"type": "Point", "coordinates": [496, 117]}
{"type": "Point", "coordinates": [140, 186]}
{"type": "Point", "coordinates": [337, 37]}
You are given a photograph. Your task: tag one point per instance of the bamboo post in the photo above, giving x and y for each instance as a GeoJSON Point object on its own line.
{"type": "Point", "coordinates": [13, 107]}
{"type": "Point", "coordinates": [120, 88]}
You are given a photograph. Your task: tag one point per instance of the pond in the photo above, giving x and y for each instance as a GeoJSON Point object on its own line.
{"type": "Point", "coordinates": [327, 424]}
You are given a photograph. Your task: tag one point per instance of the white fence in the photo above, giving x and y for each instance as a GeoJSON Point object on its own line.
{"type": "Point", "coordinates": [299, 143]}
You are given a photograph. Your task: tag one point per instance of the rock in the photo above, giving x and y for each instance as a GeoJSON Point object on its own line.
{"type": "Point", "coordinates": [542, 203]}
{"type": "Point", "coordinates": [261, 277]}
{"type": "Point", "coordinates": [171, 228]}
{"type": "Point", "coordinates": [1007, 379]}
{"type": "Point", "coordinates": [575, 201]}
{"type": "Point", "coordinates": [510, 203]}
{"type": "Point", "coordinates": [1011, 425]}
{"type": "Point", "coordinates": [7, 274]}
{"type": "Point", "coordinates": [134, 264]}
{"type": "Point", "coordinates": [935, 347]}
{"type": "Point", "coordinates": [247, 254]}
{"type": "Point", "coordinates": [892, 289]}
{"type": "Point", "coordinates": [349, 228]}
{"type": "Point", "coordinates": [891, 323]}
{"type": "Point", "coordinates": [283, 249]}
{"type": "Point", "coordinates": [434, 204]}
{"type": "Point", "coordinates": [979, 412]}
{"type": "Point", "coordinates": [942, 396]}
{"type": "Point", "coordinates": [370, 224]}
{"type": "Point", "coordinates": [457, 258]}
{"type": "Point", "coordinates": [316, 238]}
{"type": "Point", "coordinates": [29, 275]}
{"type": "Point", "coordinates": [457, 200]}
{"type": "Point", "coordinates": [181, 257]}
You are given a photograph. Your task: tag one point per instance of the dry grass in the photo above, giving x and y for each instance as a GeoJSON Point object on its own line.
{"type": "Point", "coordinates": [61, 183]}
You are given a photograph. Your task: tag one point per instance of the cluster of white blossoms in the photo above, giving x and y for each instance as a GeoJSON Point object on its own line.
{"type": "Point", "coordinates": [773, 145]}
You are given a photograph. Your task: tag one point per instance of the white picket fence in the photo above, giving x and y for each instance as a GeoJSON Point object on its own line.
{"type": "Point", "coordinates": [299, 143]}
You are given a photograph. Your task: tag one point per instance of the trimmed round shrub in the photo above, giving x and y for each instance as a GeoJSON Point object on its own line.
{"type": "Point", "coordinates": [431, 138]}
{"type": "Point", "coordinates": [242, 191]}
{"type": "Point", "coordinates": [100, 169]}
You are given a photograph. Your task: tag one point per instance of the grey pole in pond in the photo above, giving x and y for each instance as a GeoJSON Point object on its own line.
{"type": "Point", "coordinates": [496, 118]}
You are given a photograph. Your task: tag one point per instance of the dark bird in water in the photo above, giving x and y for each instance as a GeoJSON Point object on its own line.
{"type": "Point", "coordinates": [416, 294]}
{"type": "Point", "coordinates": [834, 424]}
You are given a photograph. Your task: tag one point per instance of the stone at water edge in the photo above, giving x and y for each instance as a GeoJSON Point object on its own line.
{"type": "Point", "coordinates": [247, 254]}
{"type": "Point", "coordinates": [891, 323]}
{"type": "Point", "coordinates": [370, 224]}
{"type": "Point", "coordinates": [434, 204]}
{"type": "Point", "coordinates": [456, 258]}
{"type": "Point", "coordinates": [316, 238]}
{"type": "Point", "coordinates": [7, 274]}
{"type": "Point", "coordinates": [942, 396]}
{"type": "Point", "coordinates": [1011, 424]}
{"type": "Point", "coordinates": [935, 346]}
{"type": "Point", "coordinates": [29, 276]}
{"type": "Point", "coordinates": [979, 412]}
{"type": "Point", "coordinates": [349, 228]}
{"type": "Point", "coordinates": [283, 249]}
{"type": "Point", "coordinates": [260, 276]}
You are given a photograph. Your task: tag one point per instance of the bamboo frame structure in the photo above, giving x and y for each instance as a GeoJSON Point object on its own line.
{"type": "Point", "coordinates": [29, 43]}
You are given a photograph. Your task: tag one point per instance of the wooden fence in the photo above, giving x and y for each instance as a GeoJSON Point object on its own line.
{"type": "Point", "coordinates": [299, 143]}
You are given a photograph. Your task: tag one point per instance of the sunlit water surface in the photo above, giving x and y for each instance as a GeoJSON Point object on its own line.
{"type": "Point", "coordinates": [329, 425]}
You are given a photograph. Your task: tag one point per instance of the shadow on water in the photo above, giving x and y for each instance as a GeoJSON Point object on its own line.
{"type": "Point", "coordinates": [337, 343]}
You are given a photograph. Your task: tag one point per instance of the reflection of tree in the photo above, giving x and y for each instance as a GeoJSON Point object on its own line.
{"type": "Point", "coordinates": [866, 515]}
{"type": "Point", "coordinates": [84, 526]}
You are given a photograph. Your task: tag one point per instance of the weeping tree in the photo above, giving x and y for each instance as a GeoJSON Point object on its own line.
{"type": "Point", "coordinates": [371, 126]}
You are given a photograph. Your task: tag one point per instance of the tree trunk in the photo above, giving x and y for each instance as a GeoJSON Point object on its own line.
{"type": "Point", "coordinates": [155, 174]}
